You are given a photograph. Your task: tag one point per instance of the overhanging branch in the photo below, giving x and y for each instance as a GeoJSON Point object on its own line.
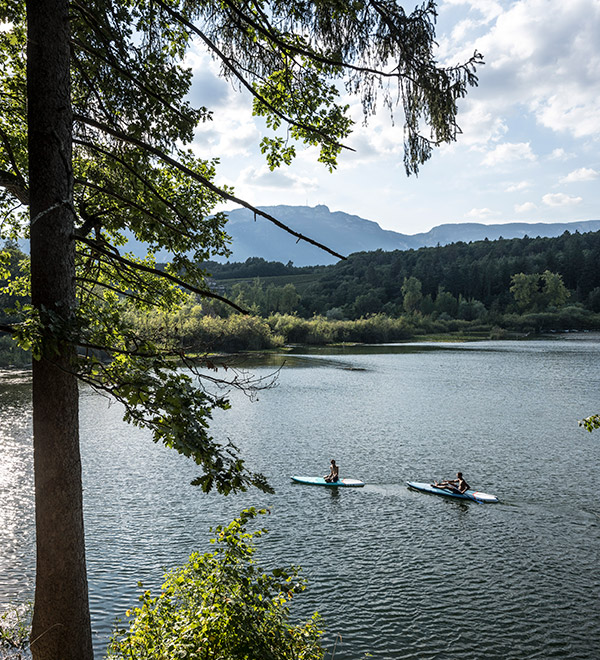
{"type": "Point", "coordinates": [128, 202]}
{"type": "Point", "coordinates": [120, 292]}
{"type": "Point", "coordinates": [203, 180]}
{"type": "Point", "coordinates": [144, 180]}
{"type": "Point", "coordinates": [10, 329]}
{"type": "Point", "coordinates": [133, 79]}
{"type": "Point", "coordinates": [228, 63]}
{"type": "Point", "coordinates": [159, 273]}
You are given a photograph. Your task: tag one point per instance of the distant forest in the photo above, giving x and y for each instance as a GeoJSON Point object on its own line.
{"type": "Point", "coordinates": [477, 276]}
{"type": "Point", "coordinates": [482, 289]}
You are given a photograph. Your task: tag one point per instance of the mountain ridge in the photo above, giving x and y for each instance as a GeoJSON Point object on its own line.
{"type": "Point", "coordinates": [347, 233]}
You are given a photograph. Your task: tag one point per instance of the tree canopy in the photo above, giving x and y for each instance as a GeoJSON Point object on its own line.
{"type": "Point", "coordinates": [95, 145]}
{"type": "Point", "coordinates": [436, 279]}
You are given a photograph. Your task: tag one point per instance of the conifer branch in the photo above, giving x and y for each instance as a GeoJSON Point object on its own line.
{"type": "Point", "coordinates": [235, 70]}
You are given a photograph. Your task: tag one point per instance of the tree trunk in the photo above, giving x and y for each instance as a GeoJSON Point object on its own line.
{"type": "Point", "coordinates": [61, 620]}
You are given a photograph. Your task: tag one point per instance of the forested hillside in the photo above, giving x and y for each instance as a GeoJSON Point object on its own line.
{"type": "Point", "coordinates": [476, 275]}
{"type": "Point", "coordinates": [484, 288]}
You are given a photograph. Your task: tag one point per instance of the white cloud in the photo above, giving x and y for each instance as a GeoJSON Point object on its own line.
{"type": "Point", "coordinates": [488, 9]}
{"type": "Point", "coordinates": [280, 178]}
{"type": "Point", "coordinates": [226, 135]}
{"type": "Point", "coordinates": [209, 88]}
{"type": "Point", "coordinates": [380, 139]}
{"type": "Point", "coordinates": [480, 214]}
{"type": "Point", "coordinates": [559, 154]}
{"type": "Point", "coordinates": [232, 132]}
{"type": "Point", "coordinates": [543, 55]}
{"type": "Point", "coordinates": [526, 207]}
{"type": "Point", "coordinates": [573, 111]}
{"type": "Point", "coordinates": [509, 152]}
{"type": "Point", "coordinates": [518, 187]}
{"type": "Point", "coordinates": [462, 28]}
{"type": "Point", "coordinates": [479, 124]}
{"type": "Point", "coordinates": [560, 199]}
{"type": "Point", "coordinates": [582, 174]}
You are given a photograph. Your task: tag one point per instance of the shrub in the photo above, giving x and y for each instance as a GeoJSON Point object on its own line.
{"type": "Point", "coordinates": [15, 628]}
{"type": "Point", "coordinates": [221, 606]}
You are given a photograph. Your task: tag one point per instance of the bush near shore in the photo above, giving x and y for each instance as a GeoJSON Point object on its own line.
{"type": "Point", "coordinates": [198, 333]}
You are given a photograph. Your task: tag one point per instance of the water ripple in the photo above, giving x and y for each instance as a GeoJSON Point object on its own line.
{"type": "Point", "coordinates": [393, 572]}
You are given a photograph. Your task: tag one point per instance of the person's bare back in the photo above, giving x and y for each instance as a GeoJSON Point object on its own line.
{"type": "Point", "coordinates": [334, 473]}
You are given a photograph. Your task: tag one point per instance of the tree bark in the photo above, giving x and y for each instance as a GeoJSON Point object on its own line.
{"type": "Point", "coordinates": [61, 620]}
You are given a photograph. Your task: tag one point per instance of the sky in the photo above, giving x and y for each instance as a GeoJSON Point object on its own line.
{"type": "Point", "coordinates": [530, 144]}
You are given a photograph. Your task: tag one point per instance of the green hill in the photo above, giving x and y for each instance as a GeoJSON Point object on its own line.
{"type": "Point", "coordinates": [479, 272]}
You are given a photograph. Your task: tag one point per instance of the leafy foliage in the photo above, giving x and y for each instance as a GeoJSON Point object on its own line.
{"type": "Point", "coordinates": [536, 292]}
{"type": "Point", "coordinates": [590, 423]}
{"type": "Point", "coordinates": [221, 605]}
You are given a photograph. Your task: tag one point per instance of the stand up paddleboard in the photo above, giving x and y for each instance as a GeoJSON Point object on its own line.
{"type": "Point", "coordinates": [467, 495]}
{"type": "Point", "coordinates": [319, 481]}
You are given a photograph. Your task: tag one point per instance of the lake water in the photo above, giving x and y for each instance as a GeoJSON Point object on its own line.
{"type": "Point", "coordinates": [393, 572]}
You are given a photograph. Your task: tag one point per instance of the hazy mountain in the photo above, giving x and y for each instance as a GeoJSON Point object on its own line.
{"type": "Point", "coordinates": [347, 233]}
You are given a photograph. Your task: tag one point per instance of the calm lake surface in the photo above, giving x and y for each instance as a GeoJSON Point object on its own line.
{"type": "Point", "coordinates": [396, 573]}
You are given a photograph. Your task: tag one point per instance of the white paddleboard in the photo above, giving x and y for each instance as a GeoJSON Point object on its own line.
{"type": "Point", "coordinates": [476, 495]}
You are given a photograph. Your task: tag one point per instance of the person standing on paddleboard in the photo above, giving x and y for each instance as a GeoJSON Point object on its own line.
{"type": "Point", "coordinates": [334, 473]}
{"type": "Point", "coordinates": [458, 485]}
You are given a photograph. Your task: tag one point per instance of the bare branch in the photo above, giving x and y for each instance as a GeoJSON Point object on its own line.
{"type": "Point", "coordinates": [206, 182]}
{"type": "Point", "coordinates": [126, 351]}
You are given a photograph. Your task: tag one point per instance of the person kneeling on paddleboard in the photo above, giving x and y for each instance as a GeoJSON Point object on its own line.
{"type": "Point", "coordinates": [458, 485]}
{"type": "Point", "coordinates": [334, 473]}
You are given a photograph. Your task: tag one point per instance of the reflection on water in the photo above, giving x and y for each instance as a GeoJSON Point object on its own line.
{"type": "Point", "coordinates": [397, 573]}
{"type": "Point", "coordinates": [16, 489]}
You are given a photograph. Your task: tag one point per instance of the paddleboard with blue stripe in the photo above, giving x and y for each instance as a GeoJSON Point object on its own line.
{"type": "Point", "coordinates": [476, 495]}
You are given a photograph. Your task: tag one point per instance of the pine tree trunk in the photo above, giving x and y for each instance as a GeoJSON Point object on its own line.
{"type": "Point", "coordinates": [61, 620]}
